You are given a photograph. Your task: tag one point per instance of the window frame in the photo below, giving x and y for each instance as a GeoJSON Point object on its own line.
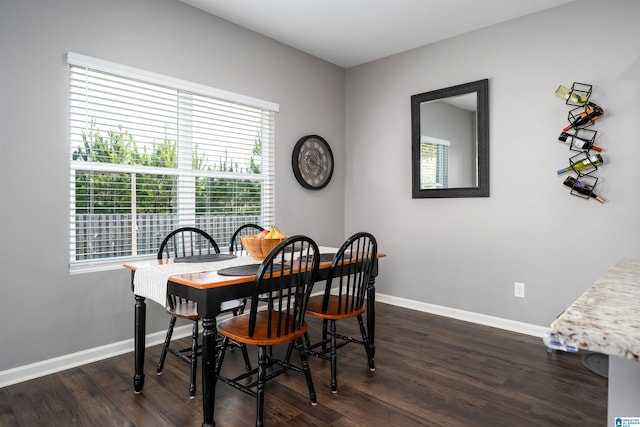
{"type": "Point", "coordinates": [266, 176]}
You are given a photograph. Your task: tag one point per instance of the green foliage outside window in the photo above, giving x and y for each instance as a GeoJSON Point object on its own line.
{"type": "Point", "coordinates": [100, 192]}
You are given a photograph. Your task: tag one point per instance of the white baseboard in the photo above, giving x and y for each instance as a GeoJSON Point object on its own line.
{"type": "Point", "coordinates": [57, 364]}
{"type": "Point", "coordinates": [481, 319]}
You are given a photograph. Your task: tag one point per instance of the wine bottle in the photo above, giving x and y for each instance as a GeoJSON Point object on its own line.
{"type": "Point", "coordinates": [582, 188]}
{"type": "Point", "coordinates": [585, 164]}
{"type": "Point", "coordinates": [573, 97]}
{"type": "Point", "coordinates": [580, 143]}
{"type": "Point", "coordinates": [591, 113]}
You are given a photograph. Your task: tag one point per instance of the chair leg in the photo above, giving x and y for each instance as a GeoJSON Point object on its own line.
{"type": "Point", "coordinates": [194, 360]}
{"type": "Point", "coordinates": [221, 353]}
{"type": "Point", "coordinates": [324, 334]}
{"type": "Point", "coordinates": [167, 340]}
{"type": "Point", "coordinates": [334, 359]}
{"type": "Point", "coordinates": [307, 372]}
{"type": "Point", "coordinates": [287, 355]}
{"type": "Point", "coordinates": [307, 341]}
{"type": "Point", "coordinates": [367, 345]}
{"type": "Point", "coordinates": [245, 355]}
{"type": "Point", "coordinates": [262, 356]}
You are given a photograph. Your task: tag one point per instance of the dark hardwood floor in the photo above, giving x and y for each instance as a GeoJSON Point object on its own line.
{"type": "Point", "coordinates": [431, 371]}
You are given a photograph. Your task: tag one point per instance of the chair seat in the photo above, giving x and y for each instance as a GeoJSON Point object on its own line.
{"type": "Point", "coordinates": [189, 309]}
{"type": "Point", "coordinates": [314, 308]}
{"type": "Point", "coordinates": [184, 310]}
{"type": "Point", "coordinates": [237, 327]}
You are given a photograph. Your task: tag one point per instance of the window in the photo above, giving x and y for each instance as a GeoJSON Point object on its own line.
{"type": "Point", "coordinates": [434, 163]}
{"type": "Point", "coordinates": [150, 153]}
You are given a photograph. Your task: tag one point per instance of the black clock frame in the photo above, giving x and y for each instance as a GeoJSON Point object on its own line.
{"type": "Point", "coordinates": [296, 165]}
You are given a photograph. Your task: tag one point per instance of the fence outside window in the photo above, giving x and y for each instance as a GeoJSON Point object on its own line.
{"type": "Point", "coordinates": [110, 236]}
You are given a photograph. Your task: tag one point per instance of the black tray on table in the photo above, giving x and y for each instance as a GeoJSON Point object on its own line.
{"type": "Point", "coordinates": [241, 270]}
{"type": "Point", "coordinates": [205, 258]}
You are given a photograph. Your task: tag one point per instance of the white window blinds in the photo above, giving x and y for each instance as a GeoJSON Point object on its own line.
{"type": "Point", "coordinates": [150, 153]}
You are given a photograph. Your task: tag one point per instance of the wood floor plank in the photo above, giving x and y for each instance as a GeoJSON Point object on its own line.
{"type": "Point", "coordinates": [135, 408]}
{"type": "Point", "coordinates": [95, 406]}
{"type": "Point", "coordinates": [63, 405]}
{"type": "Point", "coordinates": [27, 404]}
{"type": "Point", "coordinates": [7, 417]}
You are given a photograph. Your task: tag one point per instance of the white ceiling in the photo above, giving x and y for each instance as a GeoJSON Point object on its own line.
{"type": "Point", "coordinates": [351, 32]}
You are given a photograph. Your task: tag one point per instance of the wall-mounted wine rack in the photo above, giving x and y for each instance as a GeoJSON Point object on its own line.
{"type": "Point", "coordinates": [581, 139]}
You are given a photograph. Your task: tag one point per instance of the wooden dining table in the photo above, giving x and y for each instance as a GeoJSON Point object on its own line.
{"type": "Point", "coordinates": [208, 289]}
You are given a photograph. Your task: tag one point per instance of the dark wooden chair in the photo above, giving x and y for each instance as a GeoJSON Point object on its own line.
{"type": "Point", "coordinates": [188, 242]}
{"type": "Point", "coordinates": [344, 298]}
{"type": "Point", "coordinates": [285, 278]}
{"type": "Point", "coordinates": [235, 244]}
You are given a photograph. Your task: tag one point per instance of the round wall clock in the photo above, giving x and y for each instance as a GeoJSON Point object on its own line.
{"type": "Point", "coordinates": [312, 162]}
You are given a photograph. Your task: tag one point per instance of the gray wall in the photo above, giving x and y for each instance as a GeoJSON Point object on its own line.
{"type": "Point", "coordinates": [467, 253]}
{"type": "Point", "coordinates": [45, 311]}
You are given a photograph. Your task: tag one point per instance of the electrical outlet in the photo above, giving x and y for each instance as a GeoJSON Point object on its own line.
{"type": "Point", "coordinates": [518, 289]}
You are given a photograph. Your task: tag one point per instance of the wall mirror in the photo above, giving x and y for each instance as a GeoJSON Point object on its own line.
{"type": "Point", "coordinates": [450, 141]}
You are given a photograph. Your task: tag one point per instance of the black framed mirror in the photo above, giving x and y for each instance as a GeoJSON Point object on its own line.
{"type": "Point", "coordinates": [450, 141]}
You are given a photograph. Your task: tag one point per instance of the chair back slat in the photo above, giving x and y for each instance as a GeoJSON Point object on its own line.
{"type": "Point", "coordinates": [351, 269]}
{"type": "Point", "coordinates": [283, 284]}
{"type": "Point", "coordinates": [235, 244]}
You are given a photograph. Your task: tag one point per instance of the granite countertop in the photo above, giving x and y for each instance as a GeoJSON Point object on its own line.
{"type": "Point", "coordinates": [606, 318]}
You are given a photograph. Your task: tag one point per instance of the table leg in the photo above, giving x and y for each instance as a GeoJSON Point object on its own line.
{"type": "Point", "coordinates": [140, 318]}
{"type": "Point", "coordinates": [371, 314]}
{"type": "Point", "coordinates": [209, 378]}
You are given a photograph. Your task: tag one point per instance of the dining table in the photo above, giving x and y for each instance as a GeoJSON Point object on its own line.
{"type": "Point", "coordinates": [208, 282]}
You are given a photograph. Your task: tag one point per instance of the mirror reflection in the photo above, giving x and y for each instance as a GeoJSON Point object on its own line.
{"type": "Point", "coordinates": [451, 124]}
{"type": "Point", "coordinates": [450, 142]}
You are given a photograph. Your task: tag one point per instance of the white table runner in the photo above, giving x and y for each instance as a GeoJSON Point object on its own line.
{"type": "Point", "coordinates": [151, 281]}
